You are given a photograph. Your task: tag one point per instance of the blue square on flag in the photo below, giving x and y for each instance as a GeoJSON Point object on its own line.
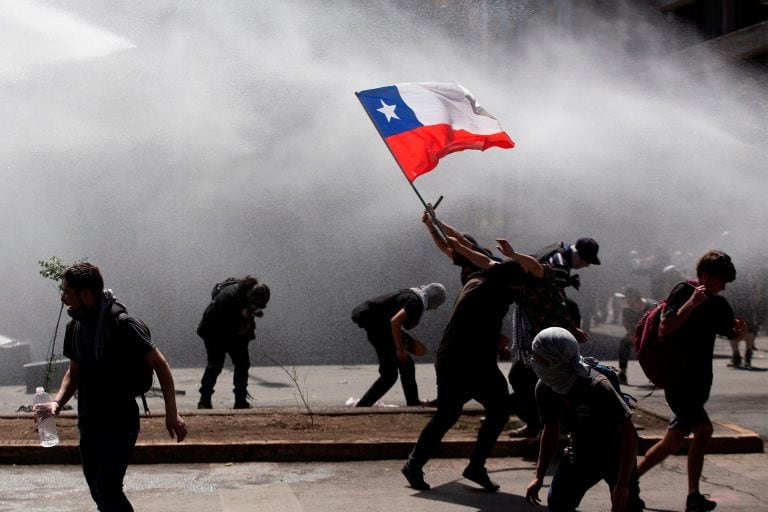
{"type": "Point", "coordinates": [388, 111]}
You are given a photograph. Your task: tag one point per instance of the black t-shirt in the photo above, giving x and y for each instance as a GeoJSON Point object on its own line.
{"type": "Point", "coordinates": [223, 319]}
{"type": "Point", "coordinates": [378, 311]}
{"type": "Point", "coordinates": [467, 267]}
{"type": "Point", "coordinates": [691, 347]}
{"type": "Point", "coordinates": [591, 412]}
{"type": "Point", "coordinates": [103, 400]}
{"type": "Point", "coordinates": [471, 336]}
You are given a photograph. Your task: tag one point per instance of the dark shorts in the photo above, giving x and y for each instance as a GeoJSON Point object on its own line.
{"type": "Point", "coordinates": [688, 408]}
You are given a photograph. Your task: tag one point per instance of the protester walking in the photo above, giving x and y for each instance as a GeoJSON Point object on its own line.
{"type": "Point", "coordinates": [106, 348]}
{"type": "Point", "coordinates": [694, 315]}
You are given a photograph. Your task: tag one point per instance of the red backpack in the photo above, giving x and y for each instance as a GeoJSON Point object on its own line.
{"type": "Point", "coordinates": [649, 345]}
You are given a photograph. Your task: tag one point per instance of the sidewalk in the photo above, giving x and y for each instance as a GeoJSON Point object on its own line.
{"type": "Point", "coordinates": [326, 390]}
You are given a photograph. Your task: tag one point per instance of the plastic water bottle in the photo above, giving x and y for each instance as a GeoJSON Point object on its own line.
{"type": "Point", "coordinates": [47, 427]}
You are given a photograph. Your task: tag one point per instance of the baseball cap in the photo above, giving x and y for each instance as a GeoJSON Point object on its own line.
{"type": "Point", "coordinates": [587, 249]}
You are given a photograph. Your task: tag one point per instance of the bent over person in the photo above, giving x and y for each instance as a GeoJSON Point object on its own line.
{"type": "Point", "coordinates": [227, 327]}
{"type": "Point", "coordinates": [384, 318]}
{"type": "Point", "coordinates": [603, 441]}
{"type": "Point", "coordinates": [99, 341]}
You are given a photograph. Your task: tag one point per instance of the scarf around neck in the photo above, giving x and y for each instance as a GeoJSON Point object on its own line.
{"type": "Point", "coordinates": [90, 328]}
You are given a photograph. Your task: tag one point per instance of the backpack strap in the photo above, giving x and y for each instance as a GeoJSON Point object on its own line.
{"type": "Point", "coordinates": [121, 320]}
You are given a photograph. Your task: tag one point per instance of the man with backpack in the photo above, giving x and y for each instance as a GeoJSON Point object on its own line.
{"type": "Point", "coordinates": [227, 327]}
{"type": "Point", "coordinates": [107, 350]}
{"type": "Point", "coordinates": [693, 315]}
{"type": "Point", "coordinates": [603, 441]}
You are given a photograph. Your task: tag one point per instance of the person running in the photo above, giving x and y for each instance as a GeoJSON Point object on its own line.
{"type": "Point", "coordinates": [694, 315]}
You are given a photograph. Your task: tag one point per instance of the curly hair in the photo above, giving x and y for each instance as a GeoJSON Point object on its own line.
{"type": "Point", "coordinates": [84, 276]}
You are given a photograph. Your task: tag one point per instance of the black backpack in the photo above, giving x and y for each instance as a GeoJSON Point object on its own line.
{"type": "Point", "coordinates": [224, 284]}
{"type": "Point", "coordinates": [609, 373]}
{"type": "Point", "coordinates": [139, 374]}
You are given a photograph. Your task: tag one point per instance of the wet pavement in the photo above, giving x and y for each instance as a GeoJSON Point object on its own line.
{"type": "Point", "coordinates": [736, 481]}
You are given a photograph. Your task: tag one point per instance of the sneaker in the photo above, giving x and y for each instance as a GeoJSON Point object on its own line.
{"type": "Point", "coordinates": [479, 475]}
{"type": "Point", "coordinates": [748, 359]}
{"type": "Point", "coordinates": [735, 360]}
{"type": "Point", "coordinates": [623, 378]}
{"type": "Point", "coordinates": [205, 403]}
{"type": "Point", "coordinates": [415, 477]}
{"type": "Point", "coordinates": [698, 502]}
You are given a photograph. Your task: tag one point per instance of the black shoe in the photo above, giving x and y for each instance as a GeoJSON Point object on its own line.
{"type": "Point", "coordinates": [415, 477]}
{"type": "Point", "coordinates": [205, 403]}
{"type": "Point", "coordinates": [735, 360]}
{"type": "Point", "coordinates": [698, 502]}
{"type": "Point", "coordinates": [623, 378]}
{"type": "Point", "coordinates": [479, 475]}
{"type": "Point", "coordinates": [242, 404]}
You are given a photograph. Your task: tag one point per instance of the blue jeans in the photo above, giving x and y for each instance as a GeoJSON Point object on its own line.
{"type": "Point", "coordinates": [573, 479]}
{"type": "Point", "coordinates": [105, 456]}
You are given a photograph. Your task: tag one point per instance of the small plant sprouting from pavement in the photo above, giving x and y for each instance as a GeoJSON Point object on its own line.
{"type": "Point", "coordinates": [301, 388]}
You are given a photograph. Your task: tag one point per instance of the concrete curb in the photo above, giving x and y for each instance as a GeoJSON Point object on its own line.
{"type": "Point", "coordinates": [728, 438]}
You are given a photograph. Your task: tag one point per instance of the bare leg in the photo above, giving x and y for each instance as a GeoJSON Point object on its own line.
{"type": "Point", "coordinates": [702, 433]}
{"type": "Point", "coordinates": [661, 450]}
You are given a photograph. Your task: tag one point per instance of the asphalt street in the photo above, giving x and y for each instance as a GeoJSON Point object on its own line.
{"type": "Point", "coordinates": [736, 481]}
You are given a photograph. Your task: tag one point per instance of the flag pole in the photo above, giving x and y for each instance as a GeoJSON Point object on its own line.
{"type": "Point", "coordinates": [430, 211]}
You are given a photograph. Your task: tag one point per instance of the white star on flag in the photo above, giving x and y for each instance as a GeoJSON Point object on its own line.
{"type": "Point", "coordinates": [388, 111]}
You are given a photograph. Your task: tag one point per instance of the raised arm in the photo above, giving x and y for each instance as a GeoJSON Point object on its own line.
{"type": "Point", "coordinates": [526, 261]}
{"type": "Point", "coordinates": [426, 218]}
{"type": "Point", "coordinates": [476, 258]}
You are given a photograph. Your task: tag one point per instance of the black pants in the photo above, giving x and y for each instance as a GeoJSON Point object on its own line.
{"type": "Point", "coordinates": [380, 336]}
{"type": "Point", "coordinates": [217, 350]}
{"type": "Point", "coordinates": [454, 389]}
{"type": "Point", "coordinates": [523, 380]}
{"type": "Point", "coordinates": [105, 455]}
{"type": "Point", "coordinates": [625, 347]}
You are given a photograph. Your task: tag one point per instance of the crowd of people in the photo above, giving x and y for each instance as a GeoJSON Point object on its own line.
{"type": "Point", "coordinates": [554, 390]}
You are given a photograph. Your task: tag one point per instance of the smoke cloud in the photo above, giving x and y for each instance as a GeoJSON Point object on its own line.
{"type": "Point", "coordinates": [176, 144]}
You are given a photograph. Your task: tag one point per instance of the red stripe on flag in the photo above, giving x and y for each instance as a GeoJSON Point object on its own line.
{"type": "Point", "coordinates": [418, 151]}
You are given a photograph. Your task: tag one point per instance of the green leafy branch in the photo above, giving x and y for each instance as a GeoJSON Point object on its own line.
{"type": "Point", "coordinates": [54, 268]}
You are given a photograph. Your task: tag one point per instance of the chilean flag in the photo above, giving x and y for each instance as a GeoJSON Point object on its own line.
{"type": "Point", "coordinates": [422, 122]}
